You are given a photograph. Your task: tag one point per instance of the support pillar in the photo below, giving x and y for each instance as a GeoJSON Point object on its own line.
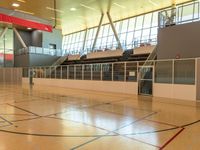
{"type": "Point", "coordinates": [99, 27]}
{"type": "Point", "coordinates": [114, 31]}
{"type": "Point", "coordinates": [3, 32]}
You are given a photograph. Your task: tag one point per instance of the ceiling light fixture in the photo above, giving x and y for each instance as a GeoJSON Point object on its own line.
{"type": "Point", "coordinates": [26, 12]}
{"type": "Point", "coordinates": [87, 7]}
{"type": "Point", "coordinates": [15, 5]}
{"type": "Point", "coordinates": [121, 6]}
{"type": "Point", "coordinates": [153, 3]}
{"type": "Point", "coordinates": [55, 18]}
{"type": "Point", "coordinates": [72, 9]}
{"type": "Point", "coordinates": [57, 10]}
{"type": "Point", "coordinates": [23, 1]}
{"type": "Point", "coordinates": [29, 28]}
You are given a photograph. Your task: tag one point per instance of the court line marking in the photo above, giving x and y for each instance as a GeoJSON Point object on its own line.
{"type": "Point", "coordinates": [160, 122]}
{"type": "Point", "coordinates": [17, 114]}
{"type": "Point", "coordinates": [97, 138]}
{"type": "Point", "coordinates": [172, 138]}
{"type": "Point", "coordinates": [10, 123]}
{"type": "Point", "coordinates": [23, 109]}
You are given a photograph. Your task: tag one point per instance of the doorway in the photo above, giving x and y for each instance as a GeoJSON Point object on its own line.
{"type": "Point", "coordinates": [145, 80]}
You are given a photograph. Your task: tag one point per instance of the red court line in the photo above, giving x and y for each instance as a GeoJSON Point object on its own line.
{"type": "Point", "coordinates": [135, 139]}
{"type": "Point", "coordinates": [171, 139]}
{"type": "Point", "coordinates": [164, 123]}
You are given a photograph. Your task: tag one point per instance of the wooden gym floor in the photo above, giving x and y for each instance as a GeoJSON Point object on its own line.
{"type": "Point", "coordinates": [51, 118]}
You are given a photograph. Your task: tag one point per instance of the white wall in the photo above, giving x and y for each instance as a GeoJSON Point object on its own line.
{"type": "Point", "coordinates": [175, 91]}
{"type": "Point", "coordinates": [104, 86]}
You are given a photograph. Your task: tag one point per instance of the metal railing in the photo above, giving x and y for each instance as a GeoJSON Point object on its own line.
{"type": "Point", "coordinates": [185, 13]}
{"type": "Point", "coordinates": [165, 71]}
{"type": "Point", "coordinates": [41, 50]}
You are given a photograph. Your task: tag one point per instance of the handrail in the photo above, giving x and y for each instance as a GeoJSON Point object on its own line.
{"type": "Point", "coordinates": [58, 62]}
{"type": "Point", "coordinates": [151, 56]}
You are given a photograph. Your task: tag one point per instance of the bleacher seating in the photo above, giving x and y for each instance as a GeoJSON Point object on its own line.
{"type": "Point", "coordinates": [146, 49]}
{"type": "Point", "coordinates": [138, 54]}
{"type": "Point", "coordinates": [105, 54]}
{"type": "Point", "coordinates": [73, 57]}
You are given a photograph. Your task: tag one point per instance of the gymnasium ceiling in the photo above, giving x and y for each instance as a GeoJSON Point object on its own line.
{"type": "Point", "coordinates": [75, 15]}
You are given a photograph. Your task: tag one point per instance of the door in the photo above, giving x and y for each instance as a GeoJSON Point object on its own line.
{"type": "Point", "coordinates": [145, 80]}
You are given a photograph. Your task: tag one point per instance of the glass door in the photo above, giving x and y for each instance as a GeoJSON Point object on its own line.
{"type": "Point", "coordinates": [145, 81]}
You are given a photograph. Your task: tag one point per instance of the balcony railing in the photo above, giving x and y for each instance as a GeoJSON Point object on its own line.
{"type": "Point", "coordinates": [41, 50]}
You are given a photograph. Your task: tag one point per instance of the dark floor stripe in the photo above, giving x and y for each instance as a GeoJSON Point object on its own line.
{"type": "Point", "coordinates": [23, 109]}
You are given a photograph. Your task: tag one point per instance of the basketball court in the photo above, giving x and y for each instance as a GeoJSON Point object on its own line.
{"type": "Point", "coordinates": [57, 118]}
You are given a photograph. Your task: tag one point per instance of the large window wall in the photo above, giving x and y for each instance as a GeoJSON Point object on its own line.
{"type": "Point", "coordinates": [132, 32]}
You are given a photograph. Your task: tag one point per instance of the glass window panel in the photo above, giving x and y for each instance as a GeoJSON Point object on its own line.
{"type": "Point", "coordinates": [145, 35]}
{"type": "Point", "coordinates": [105, 31]}
{"type": "Point", "coordinates": [155, 19]}
{"type": "Point", "coordinates": [154, 32]}
{"type": "Point", "coordinates": [131, 72]}
{"type": "Point", "coordinates": [123, 39]}
{"type": "Point", "coordinates": [58, 72]}
{"type": "Point", "coordinates": [71, 72]}
{"type": "Point", "coordinates": [137, 36]}
{"type": "Point", "coordinates": [139, 22]}
{"type": "Point", "coordinates": [110, 31]}
{"type": "Point", "coordinates": [117, 27]}
{"type": "Point", "coordinates": [184, 72]}
{"type": "Point", "coordinates": [87, 72]}
{"type": "Point", "coordinates": [107, 72]}
{"type": "Point", "coordinates": [163, 72]}
{"type": "Point", "coordinates": [64, 72]}
{"type": "Point", "coordinates": [131, 24]}
{"type": "Point", "coordinates": [187, 13]}
{"type": "Point", "coordinates": [124, 26]}
{"type": "Point", "coordinates": [118, 72]}
{"type": "Point", "coordinates": [129, 38]}
{"type": "Point", "coordinates": [147, 20]}
{"type": "Point", "coordinates": [48, 72]}
{"type": "Point", "coordinates": [79, 72]}
{"type": "Point", "coordinates": [96, 71]}
{"type": "Point", "coordinates": [53, 72]}
{"type": "Point", "coordinates": [196, 11]}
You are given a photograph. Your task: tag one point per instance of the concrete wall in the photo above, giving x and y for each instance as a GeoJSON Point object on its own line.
{"type": "Point", "coordinates": [30, 60]}
{"type": "Point", "coordinates": [41, 60]}
{"type": "Point", "coordinates": [52, 38]}
{"type": "Point", "coordinates": [182, 40]}
{"type": "Point", "coordinates": [36, 37]}
{"type": "Point", "coordinates": [26, 36]}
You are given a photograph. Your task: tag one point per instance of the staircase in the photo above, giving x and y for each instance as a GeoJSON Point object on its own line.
{"type": "Point", "coordinates": [58, 62]}
{"type": "Point", "coordinates": [152, 56]}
